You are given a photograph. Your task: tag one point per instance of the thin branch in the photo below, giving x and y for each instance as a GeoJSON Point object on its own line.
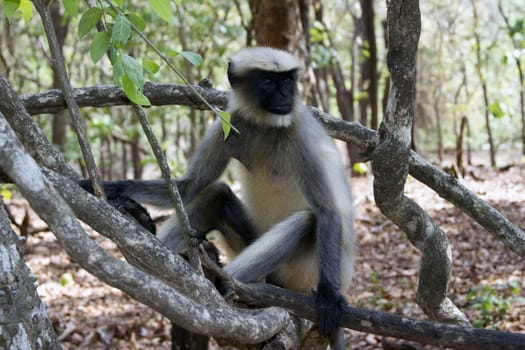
{"type": "Point", "coordinates": [176, 198]}
{"type": "Point", "coordinates": [61, 74]}
{"type": "Point", "coordinates": [52, 101]}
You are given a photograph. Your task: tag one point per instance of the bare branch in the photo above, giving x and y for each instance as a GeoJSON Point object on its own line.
{"type": "Point", "coordinates": [176, 198]}
{"type": "Point", "coordinates": [61, 74]}
{"type": "Point", "coordinates": [52, 101]}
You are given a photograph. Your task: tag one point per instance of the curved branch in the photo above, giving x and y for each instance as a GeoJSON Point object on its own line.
{"type": "Point", "coordinates": [390, 166]}
{"type": "Point", "coordinates": [31, 135]}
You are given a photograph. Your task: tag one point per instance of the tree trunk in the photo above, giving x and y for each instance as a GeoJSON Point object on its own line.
{"type": "Point", "coordinates": [483, 83]}
{"type": "Point", "coordinates": [60, 119]}
{"type": "Point", "coordinates": [464, 129]}
{"type": "Point", "coordinates": [283, 24]}
{"type": "Point", "coordinates": [275, 23]}
{"type": "Point", "coordinates": [517, 45]}
{"type": "Point", "coordinates": [23, 320]}
{"type": "Point", "coordinates": [368, 79]}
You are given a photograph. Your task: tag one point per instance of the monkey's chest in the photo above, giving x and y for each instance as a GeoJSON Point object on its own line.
{"type": "Point", "coordinates": [270, 197]}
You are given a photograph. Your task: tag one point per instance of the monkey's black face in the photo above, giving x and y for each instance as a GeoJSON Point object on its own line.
{"type": "Point", "coordinates": [275, 92]}
{"type": "Point", "coordinates": [272, 91]}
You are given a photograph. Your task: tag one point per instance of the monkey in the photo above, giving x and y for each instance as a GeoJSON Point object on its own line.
{"type": "Point", "coordinates": [294, 223]}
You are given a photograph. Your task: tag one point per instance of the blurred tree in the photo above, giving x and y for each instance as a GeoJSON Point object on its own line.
{"type": "Point", "coordinates": [368, 79]}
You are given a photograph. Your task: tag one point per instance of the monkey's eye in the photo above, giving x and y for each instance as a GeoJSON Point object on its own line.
{"type": "Point", "coordinates": [267, 83]}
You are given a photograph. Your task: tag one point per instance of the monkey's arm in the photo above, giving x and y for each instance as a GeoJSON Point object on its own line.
{"type": "Point", "coordinates": [208, 163]}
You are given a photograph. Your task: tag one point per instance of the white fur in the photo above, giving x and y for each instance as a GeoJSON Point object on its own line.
{"type": "Point", "coordinates": [270, 199]}
{"type": "Point", "coordinates": [264, 58]}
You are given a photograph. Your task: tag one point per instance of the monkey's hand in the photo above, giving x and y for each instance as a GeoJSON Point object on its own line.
{"type": "Point", "coordinates": [128, 206]}
{"type": "Point", "coordinates": [329, 303]}
{"type": "Point", "coordinates": [123, 204]}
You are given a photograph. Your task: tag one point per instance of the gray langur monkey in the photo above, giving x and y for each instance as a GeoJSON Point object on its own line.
{"type": "Point", "coordinates": [294, 223]}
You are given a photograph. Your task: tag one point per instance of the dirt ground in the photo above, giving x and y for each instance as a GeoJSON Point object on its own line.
{"type": "Point", "coordinates": [487, 280]}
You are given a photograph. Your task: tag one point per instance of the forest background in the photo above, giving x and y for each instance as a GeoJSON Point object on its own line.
{"type": "Point", "coordinates": [469, 119]}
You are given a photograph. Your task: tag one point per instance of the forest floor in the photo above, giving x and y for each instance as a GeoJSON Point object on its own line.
{"type": "Point", "coordinates": [487, 280]}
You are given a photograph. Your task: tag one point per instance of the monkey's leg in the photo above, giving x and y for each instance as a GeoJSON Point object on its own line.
{"type": "Point", "coordinates": [214, 208]}
{"type": "Point", "coordinates": [274, 247]}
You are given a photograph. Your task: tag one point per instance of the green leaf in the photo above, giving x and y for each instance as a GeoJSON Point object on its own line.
{"type": "Point", "coordinates": [89, 21]}
{"type": "Point", "coordinates": [192, 57]}
{"type": "Point", "coordinates": [162, 8]}
{"type": "Point", "coordinates": [121, 30]}
{"type": "Point", "coordinates": [10, 7]}
{"type": "Point", "coordinates": [118, 70]}
{"type": "Point", "coordinates": [99, 46]}
{"type": "Point", "coordinates": [26, 8]}
{"type": "Point", "coordinates": [172, 53]}
{"type": "Point", "coordinates": [133, 70]}
{"type": "Point", "coordinates": [360, 168]}
{"type": "Point", "coordinates": [6, 192]}
{"type": "Point", "coordinates": [66, 279]}
{"type": "Point", "coordinates": [225, 122]}
{"type": "Point", "coordinates": [142, 100]}
{"type": "Point", "coordinates": [150, 66]}
{"type": "Point", "coordinates": [71, 7]}
{"type": "Point", "coordinates": [137, 21]}
{"type": "Point", "coordinates": [496, 110]}
{"type": "Point", "coordinates": [133, 92]}
{"type": "Point", "coordinates": [119, 3]}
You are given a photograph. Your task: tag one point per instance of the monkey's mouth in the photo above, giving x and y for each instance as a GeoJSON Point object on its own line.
{"type": "Point", "coordinates": [281, 110]}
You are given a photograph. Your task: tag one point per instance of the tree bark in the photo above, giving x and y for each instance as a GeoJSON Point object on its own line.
{"type": "Point", "coordinates": [275, 23]}
{"type": "Point", "coordinates": [23, 319]}
{"type": "Point", "coordinates": [368, 79]}
{"type": "Point", "coordinates": [60, 120]}
{"type": "Point", "coordinates": [484, 88]}
{"type": "Point", "coordinates": [390, 166]}
{"type": "Point", "coordinates": [517, 45]}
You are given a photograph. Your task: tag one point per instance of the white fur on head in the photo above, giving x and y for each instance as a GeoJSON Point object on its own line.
{"type": "Point", "coordinates": [264, 58]}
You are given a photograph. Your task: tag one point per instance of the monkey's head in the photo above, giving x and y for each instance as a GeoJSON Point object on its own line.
{"type": "Point", "coordinates": [264, 83]}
